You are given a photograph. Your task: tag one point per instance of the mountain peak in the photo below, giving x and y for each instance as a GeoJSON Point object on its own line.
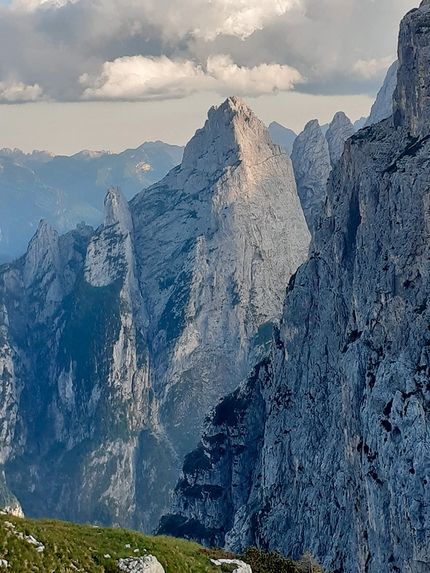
{"type": "Point", "coordinates": [117, 209]}
{"type": "Point", "coordinates": [232, 133]}
{"type": "Point", "coordinates": [340, 129]}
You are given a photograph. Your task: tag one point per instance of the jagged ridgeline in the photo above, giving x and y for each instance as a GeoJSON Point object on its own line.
{"type": "Point", "coordinates": [326, 447]}
{"type": "Point", "coordinates": [115, 344]}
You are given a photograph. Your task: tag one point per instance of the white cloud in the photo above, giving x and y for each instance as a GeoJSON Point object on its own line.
{"type": "Point", "coordinates": [178, 18]}
{"type": "Point", "coordinates": [33, 5]}
{"type": "Point", "coordinates": [262, 79]}
{"type": "Point", "coordinates": [16, 92]}
{"type": "Point", "coordinates": [368, 69]}
{"type": "Point", "coordinates": [143, 78]}
{"type": "Point", "coordinates": [237, 17]}
{"type": "Point", "coordinates": [340, 46]}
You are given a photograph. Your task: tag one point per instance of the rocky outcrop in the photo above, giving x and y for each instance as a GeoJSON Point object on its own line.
{"type": "Point", "coordinates": [325, 448]}
{"type": "Point", "coordinates": [340, 129]}
{"type": "Point", "coordinates": [311, 162]}
{"type": "Point", "coordinates": [383, 106]}
{"type": "Point", "coordinates": [117, 343]}
{"type": "Point", "coordinates": [145, 564]}
{"type": "Point", "coordinates": [241, 567]}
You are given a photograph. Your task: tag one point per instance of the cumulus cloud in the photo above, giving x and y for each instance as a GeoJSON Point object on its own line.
{"type": "Point", "coordinates": [16, 92]}
{"type": "Point", "coordinates": [143, 78]}
{"type": "Point", "coordinates": [154, 49]}
{"type": "Point", "coordinates": [371, 68]}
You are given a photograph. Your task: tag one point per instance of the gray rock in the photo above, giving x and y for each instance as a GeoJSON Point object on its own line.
{"type": "Point", "coordinates": [340, 129]}
{"type": "Point", "coordinates": [241, 566]}
{"type": "Point", "coordinates": [145, 564]}
{"type": "Point", "coordinates": [311, 162]}
{"type": "Point", "coordinates": [326, 448]}
{"type": "Point", "coordinates": [383, 106]}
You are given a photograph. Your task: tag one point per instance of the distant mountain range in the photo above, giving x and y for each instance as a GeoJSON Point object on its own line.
{"type": "Point", "coordinates": [67, 190]}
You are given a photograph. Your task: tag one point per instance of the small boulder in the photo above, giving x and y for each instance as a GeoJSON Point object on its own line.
{"type": "Point", "coordinates": [146, 564]}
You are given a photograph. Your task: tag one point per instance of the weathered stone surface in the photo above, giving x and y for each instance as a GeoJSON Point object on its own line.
{"type": "Point", "coordinates": [215, 239]}
{"type": "Point", "coordinates": [311, 162]}
{"type": "Point", "coordinates": [145, 564]}
{"type": "Point", "coordinates": [241, 566]}
{"type": "Point", "coordinates": [340, 129]}
{"type": "Point", "coordinates": [383, 106]}
{"type": "Point", "coordinates": [331, 453]}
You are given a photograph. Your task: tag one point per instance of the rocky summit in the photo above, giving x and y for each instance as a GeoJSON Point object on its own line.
{"type": "Point", "coordinates": [116, 343]}
{"type": "Point", "coordinates": [311, 161]}
{"type": "Point", "coordinates": [326, 446]}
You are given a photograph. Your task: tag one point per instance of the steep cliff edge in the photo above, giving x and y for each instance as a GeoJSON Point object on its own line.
{"type": "Point", "coordinates": [327, 447]}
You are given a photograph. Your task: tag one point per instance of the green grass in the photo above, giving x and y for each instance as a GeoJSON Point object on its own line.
{"type": "Point", "coordinates": [69, 547]}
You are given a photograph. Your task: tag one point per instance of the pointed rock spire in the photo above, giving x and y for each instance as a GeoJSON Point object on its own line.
{"type": "Point", "coordinates": [117, 210]}
{"type": "Point", "coordinates": [311, 162]}
{"type": "Point", "coordinates": [43, 253]}
{"type": "Point", "coordinates": [340, 129]}
{"type": "Point", "coordinates": [232, 133]}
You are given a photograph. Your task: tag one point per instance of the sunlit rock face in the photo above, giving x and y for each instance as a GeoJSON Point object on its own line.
{"type": "Point", "coordinates": [116, 343]}
{"type": "Point", "coordinates": [325, 447]}
{"type": "Point", "coordinates": [216, 240]}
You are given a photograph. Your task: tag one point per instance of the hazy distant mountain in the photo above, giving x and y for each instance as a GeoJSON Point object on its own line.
{"type": "Point", "coordinates": [282, 136]}
{"type": "Point", "coordinates": [359, 123]}
{"type": "Point", "coordinates": [383, 106]}
{"type": "Point", "coordinates": [67, 190]}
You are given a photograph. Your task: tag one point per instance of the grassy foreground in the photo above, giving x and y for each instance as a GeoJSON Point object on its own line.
{"type": "Point", "coordinates": [69, 548]}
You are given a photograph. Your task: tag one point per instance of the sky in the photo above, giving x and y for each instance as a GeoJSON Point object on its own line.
{"type": "Point", "coordinates": [111, 74]}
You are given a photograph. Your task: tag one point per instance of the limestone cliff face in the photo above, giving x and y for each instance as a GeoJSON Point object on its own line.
{"type": "Point", "coordinates": [331, 429]}
{"type": "Point", "coordinates": [116, 343]}
{"type": "Point", "coordinates": [311, 162]}
{"type": "Point", "coordinates": [215, 239]}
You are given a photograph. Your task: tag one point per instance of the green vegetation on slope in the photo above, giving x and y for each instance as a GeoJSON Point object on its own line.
{"type": "Point", "coordinates": [70, 547]}
{"type": "Point", "coordinates": [51, 546]}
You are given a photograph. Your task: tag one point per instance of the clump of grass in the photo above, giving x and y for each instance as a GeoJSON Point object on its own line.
{"type": "Point", "coordinates": [274, 562]}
